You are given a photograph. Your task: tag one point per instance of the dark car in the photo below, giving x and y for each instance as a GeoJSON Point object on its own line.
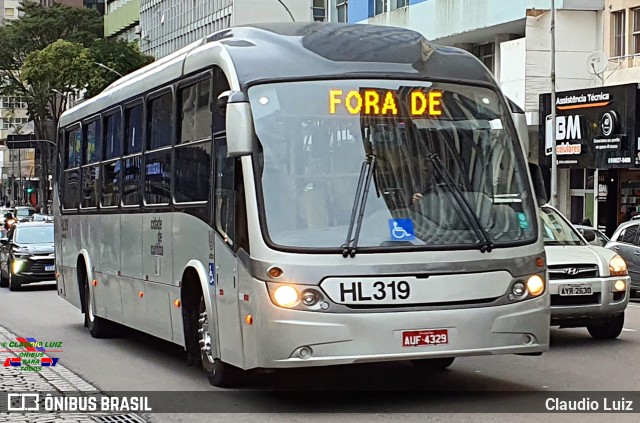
{"type": "Point", "coordinates": [24, 213]}
{"type": "Point", "coordinates": [27, 255]}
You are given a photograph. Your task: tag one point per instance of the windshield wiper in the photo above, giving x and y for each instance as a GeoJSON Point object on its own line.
{"type": "Point", "coordinates": [359, 202]}
{"type": "Point", "coordinates": [483, 236]}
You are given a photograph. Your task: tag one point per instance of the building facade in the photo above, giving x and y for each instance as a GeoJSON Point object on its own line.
{"type": "Point", "coordinates": [122, 20]}
{"type": "Point", "coordinates": [168, 25]}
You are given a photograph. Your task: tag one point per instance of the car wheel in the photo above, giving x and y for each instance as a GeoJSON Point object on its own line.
{"type": "Point", "coordinates": [98, 327]}
{"type": "Point", "coordinates": [219, 373]}
{"type": "Point", "coordinates": [14, 281]}
{"type": "Point", "coordinates": [609, 329]}
{"type": "Point", "coordinates": [432, 365]}
{"type": "Point", "coordinates": [4, 282]}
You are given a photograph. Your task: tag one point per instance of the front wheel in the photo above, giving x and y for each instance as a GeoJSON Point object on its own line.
{"type": "Point", "coordinates": [4, 282]}
{"type": "Point", "coordinates": [432, 365]}
{"type": "Point", "coordinates": [14, 281]}
{"type": "Point", "coordinates": [609, 329]}
{"type": "Point", "coordinates": [219, 373]}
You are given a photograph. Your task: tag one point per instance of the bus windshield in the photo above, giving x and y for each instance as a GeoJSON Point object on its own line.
{"type": "Point", "coordinates": [448, 170]}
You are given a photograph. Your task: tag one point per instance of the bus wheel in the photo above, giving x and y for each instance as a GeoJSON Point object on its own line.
{"type": "Point", "coordinates": [432, 365]}
{"type": "Point", "coordinates": [219, 373]}
{"type": "Point", "coordinates": [98, 327]}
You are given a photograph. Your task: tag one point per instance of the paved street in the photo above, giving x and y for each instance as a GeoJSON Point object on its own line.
{"type": "Point", "coordinates": [139, 362]}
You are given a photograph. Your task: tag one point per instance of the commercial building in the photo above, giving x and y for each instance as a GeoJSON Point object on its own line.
{"type": "Point", "coordinates": [122, 19]}
{"type": "Point", "coordinates": [168, 25]}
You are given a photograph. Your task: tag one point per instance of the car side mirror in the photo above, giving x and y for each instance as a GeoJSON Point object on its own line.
{"type": "Point", "coordinates": [588, 235]}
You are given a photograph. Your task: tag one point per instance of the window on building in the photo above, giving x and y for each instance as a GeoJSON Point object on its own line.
{"type": "Point", "coordinates": [397, 4]}
{"type": "Point", "coordinates": [342, 8]}
{"type": "Point", "coordinates": [636, 30]}
{"type": "Point", "coordinates": [618, 37]}
{"type": "Point", "coordinates": [9, 11]}
{"type": "Point", "coordinates": [486, 54]}
{"type": "Point", "coordinates": [380, 6]}
{"type": "Point", "coordinates": [319, 10]}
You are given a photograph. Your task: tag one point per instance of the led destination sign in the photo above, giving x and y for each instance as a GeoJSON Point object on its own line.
{"type": "Point", "coordinates": [384, 103]}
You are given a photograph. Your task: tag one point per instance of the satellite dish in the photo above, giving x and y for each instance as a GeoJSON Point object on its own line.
{"type": "Point", "coordinates": [597, 62]}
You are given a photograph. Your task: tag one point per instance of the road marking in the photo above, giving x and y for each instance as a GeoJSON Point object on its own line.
{"type": "Point", "coordinates": [628, 330]}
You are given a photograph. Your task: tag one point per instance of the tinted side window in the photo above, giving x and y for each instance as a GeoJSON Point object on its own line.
{"type": "Point", "coordinates": [224, 193]}
{"type": "Point", "coordinates": [71, 193]}
{"type": "Point", "coordinates": [110, 184]}
{"type": "Point", "coordinates": [131, 181]}
{"type": "Point", "coordinates": [112, 136]}
{"type": "Point", "coordinates": [92, 151]}
{"type": "Point", "coordinates": [90, 176]}
{"type": "Point", "coordinates": [629, 234]}
{"type": "Point", "coordinates": [74, 142]}
{"type": "Point", "coordinates": [160, 123]}
{"type": "Point", "coordinates": [133, 130]}
{"type": "Point", "coordinates": [157, 186]}
{"type": "Point", "coordinates": [195, 120]}
{"type": "Point", "coordinates": [193, 167]}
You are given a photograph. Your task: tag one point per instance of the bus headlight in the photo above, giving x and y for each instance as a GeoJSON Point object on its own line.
{"type": "Point", "coordinates": [286, 296]}
{"type": "Point", "coordinates": [617, 266]}
{"type": "Point", "coordinates": [535, 285]}
{"type": "Point", "coordinates": [17, 265]}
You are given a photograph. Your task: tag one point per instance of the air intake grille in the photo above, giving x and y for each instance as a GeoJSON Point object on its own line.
{"type": "Point", "coordinates": [575, 271]}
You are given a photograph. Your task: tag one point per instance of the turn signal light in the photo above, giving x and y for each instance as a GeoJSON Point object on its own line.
{"type": "Point", "coordinates": [177, 303]}
{"type": "Point", "coordinates": [275, 272]}
{"type": "Point", "coordinates": [248, 319]}
{"type": "Point", "coordinates": [94, 282]}
{"type": "Point", "coordinates": [535, 285]}
{"type": "Point", "coordinates": [540, 262]}
{"type": "Point", "coordinates": [617, 266]}
{"type": "Point", "coordinates": [140, 294]}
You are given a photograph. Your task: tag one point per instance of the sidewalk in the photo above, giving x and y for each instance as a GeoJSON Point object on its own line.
{"type": "Point", "coordinates": [56, 380]}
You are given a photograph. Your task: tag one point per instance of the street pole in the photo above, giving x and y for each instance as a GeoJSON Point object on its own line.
{"type": "Point", "coordinates": [21, 194]}
{"type": "Point", "coordinates": [554, 153]}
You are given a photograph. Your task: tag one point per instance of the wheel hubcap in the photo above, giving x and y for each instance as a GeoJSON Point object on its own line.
{"type": "Point", "coordinates": [205, 337]}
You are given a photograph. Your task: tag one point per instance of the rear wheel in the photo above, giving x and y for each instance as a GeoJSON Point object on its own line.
{"type": "Point", "coordinates": [4, 282]}
{"type": "Point", "coordinates": [609, 329]}
{"type": "Point", "coordinates": [433, 365]}
{"type": "Point", "coordinates": [218, 372]}
{"type": "Point", "coordinates": [98, 327]}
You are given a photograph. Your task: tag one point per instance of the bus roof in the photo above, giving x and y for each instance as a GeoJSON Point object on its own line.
{"type": "Point", "coordinates": [279, 51]}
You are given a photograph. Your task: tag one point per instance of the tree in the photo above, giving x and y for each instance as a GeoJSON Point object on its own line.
{"type": "Point", "coordinates": [121, 56]}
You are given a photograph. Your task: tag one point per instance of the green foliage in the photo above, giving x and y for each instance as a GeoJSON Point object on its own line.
{"type": "Point", "coordinates": [50, 54]}
{"type": "Point", "coordinates": [120, 56]}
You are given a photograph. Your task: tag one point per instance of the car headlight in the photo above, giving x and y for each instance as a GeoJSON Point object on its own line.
{"type": "Point", "coordinates": [617, 266]}
{"type": "Point", "coordinates": [17, 265]}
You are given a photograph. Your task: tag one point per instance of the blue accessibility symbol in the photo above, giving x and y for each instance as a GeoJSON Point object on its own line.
{"type": "Point", "coordinates": [401, 229]}
{"type": "Point", "coordinates": [212, 274]}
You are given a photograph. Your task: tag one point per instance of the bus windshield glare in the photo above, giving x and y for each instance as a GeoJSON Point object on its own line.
{"type": "Point", "coordinates": [447, 169]}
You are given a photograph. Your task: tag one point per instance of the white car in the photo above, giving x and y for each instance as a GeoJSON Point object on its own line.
{"type": "Point", "coordinates": [588, 285]}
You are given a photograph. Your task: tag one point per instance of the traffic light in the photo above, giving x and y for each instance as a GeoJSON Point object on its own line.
{"type": "Point", "coordinates": [29, 190]}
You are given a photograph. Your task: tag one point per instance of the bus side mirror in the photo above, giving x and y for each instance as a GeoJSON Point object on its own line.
{"type": "Point", "coordinates": [538, 183]}
{"type": "Point", "coordinates": [239, 123]}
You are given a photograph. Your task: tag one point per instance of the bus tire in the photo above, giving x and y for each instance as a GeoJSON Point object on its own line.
{"type": "Point", "coordinates": [98, 327]}
{"type": "Point", "coordinates": [219, 373]}
{"type": "Point", "coordinates": [432, 365]}
{"type": "Point", "coordinates": [609, 329]}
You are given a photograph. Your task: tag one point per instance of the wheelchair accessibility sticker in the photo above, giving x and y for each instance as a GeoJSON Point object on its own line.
{"type": "Point", "coordinates": [401, 229]}
{"type": "Point", "coordinates": [212, 274]}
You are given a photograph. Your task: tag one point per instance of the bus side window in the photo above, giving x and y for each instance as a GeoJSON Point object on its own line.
{"type": "Point", "coordinates": [230, 206]}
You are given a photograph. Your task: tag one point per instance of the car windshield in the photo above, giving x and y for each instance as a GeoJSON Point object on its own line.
{"type": "Point", "coordinates": [24, 212]}
{"type": "Point", "coordinates": [436, 146]}
{"type": "Point", "coordinates": [34, 235]}
{"type": "Point", "coordinates": [557, 230]}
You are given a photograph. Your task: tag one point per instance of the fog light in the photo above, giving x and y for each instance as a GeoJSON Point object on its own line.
{"type": "Point", "coordinates": [535, 285]}
{"type": "Point", "coordinates": [304, 353]}
{"type": "Point", "coordinates": [518, 289]}
{"type": "Point", "coordinates": [286, 296]}
{"type": "Point", "coordinates": [17, 265]}
{"type": "Point", "coordinates": [527, 339]}
{"type": "Point", "coordinates": [309, 297]}
{"type": "Point", "coordinates": [620, 285]}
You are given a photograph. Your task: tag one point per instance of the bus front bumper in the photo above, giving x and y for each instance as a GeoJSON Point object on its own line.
{"type": "Point", "coordinates": [281, 338]}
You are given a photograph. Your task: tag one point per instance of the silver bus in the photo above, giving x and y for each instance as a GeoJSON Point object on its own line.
{"type": "Point", "coordinates": [292, 195]}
